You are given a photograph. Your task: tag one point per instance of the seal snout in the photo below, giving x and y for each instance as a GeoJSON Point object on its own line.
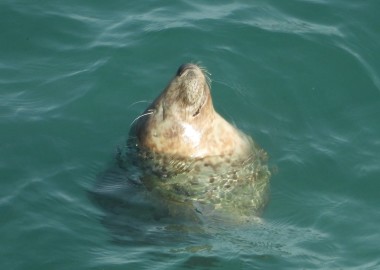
{"type": "Point", "coordinates": [185, 67]}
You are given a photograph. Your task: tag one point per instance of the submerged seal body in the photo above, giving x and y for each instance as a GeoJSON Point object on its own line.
{"type": "Point", "coordinates": [189, 154]}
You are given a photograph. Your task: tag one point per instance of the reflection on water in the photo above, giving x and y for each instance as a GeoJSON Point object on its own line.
{"type": "Point", "coordinates": [133, 217]}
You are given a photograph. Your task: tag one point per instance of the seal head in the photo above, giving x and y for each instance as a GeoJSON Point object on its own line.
{"type": "Point", "coordinates": [189, 154]}
{"type": "Point", "coordinates": [182, 121]}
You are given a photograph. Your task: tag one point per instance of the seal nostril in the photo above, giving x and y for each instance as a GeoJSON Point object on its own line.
{"type": "Point", "coordinates": [182, 68]}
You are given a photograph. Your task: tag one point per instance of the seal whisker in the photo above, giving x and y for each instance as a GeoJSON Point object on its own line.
{"type": "Point", "coordinates": [204, 70]}
{"type": "Point", "coordinates": [149, 112]}
{"type": "Point", "coordinates": [207, 75]}
{"type": "Point", "coordinates": [137, 102]}
{"type": "Point", "coordinates": [208, 80]}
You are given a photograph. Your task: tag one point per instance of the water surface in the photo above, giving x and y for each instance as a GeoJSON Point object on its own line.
{"type": "Point", "coordinates": [301, 77]}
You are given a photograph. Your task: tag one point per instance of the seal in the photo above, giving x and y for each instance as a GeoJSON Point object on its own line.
{"type": "Point", "coordinates": [188, 154]}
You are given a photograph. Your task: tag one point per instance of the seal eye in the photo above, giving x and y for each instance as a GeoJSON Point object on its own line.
{"type": "Point", "coordinates": [197, 112]}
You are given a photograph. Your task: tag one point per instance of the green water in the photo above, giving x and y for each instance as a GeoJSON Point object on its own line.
{"type": "Point", "coordinates": [301, 77]}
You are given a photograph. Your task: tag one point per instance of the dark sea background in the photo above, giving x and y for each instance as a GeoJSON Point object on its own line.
{"type": "Point", "coordinates": [300, 76]}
